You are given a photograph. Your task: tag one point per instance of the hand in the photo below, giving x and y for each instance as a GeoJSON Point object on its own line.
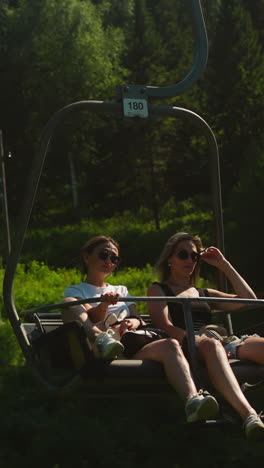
{"type": "Point", "coordinates": [128, 324]}
{"type": "Point", "coordinates": [212, 256]}
{"type": "Point", "coordinates": [110, 298]}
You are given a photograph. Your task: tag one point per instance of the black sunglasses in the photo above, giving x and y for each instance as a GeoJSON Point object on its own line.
{"type": "Point", "coordinates": [184, 254]}
{"type": "Point", "coordinates": [104, 255]}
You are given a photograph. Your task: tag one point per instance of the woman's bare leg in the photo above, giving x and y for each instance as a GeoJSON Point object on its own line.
{"type": "Point", "coordinates": [252, 349]}
{"type": "Point", "coordinates": [222, 376]}
{"type": "Point", "coordinates": [169, 353]}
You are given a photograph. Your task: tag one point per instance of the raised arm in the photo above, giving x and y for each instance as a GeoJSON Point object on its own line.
{"type": "Point", "coordinates": [97, 313]}
{"type": "Point", "coordinates": [159, 314]}
{"type": "Point", "coordinates": [214, 257]}
{"type": "Point", "coordinates": [85, 313]}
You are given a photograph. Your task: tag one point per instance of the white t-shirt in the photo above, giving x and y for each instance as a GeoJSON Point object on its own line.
{"type": "Point", "coordinates": [86, 290]}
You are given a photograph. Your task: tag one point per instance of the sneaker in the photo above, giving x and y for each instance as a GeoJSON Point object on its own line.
{"type": "Point", "coordinates": [115, 318]}
{"type": "Point", "coordinates": [254, 427]}
{"type": "Point", "coordinates": [110, 320]}
{"type": "Point", "coordinates": [107, 346]}
{"type": "Point", "coordinates": [201, 406]}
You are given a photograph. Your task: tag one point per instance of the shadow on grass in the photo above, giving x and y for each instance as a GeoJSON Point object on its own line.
{"type": "Point", "coordinates": [72, 429]}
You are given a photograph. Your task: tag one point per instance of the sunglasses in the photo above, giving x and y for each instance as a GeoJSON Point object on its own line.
{"type": "Point", "coordinates": [104, 255]}
{"type": "Point", "coordinates": [184, 254]}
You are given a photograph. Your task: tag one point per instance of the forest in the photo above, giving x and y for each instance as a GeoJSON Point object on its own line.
{"type": "Point", "coordinates": [139, 180]}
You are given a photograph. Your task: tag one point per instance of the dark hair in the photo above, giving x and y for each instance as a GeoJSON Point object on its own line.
{"type": "Point", "coordinates": [162, 266]}
{"type": "Point", "coordinates": [91, 244]}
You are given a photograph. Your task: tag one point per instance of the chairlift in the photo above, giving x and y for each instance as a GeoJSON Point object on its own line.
{"type": "Point", "coordinates": [58, 353]}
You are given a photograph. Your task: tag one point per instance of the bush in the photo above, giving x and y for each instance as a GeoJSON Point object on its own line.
{"type": "Point", "coordinates": [140, 242]}
{"type": "Point", "coordinates": [36, 284]}
{"type": "Point", "coordinates": [10, 352]}
{"type": "Point", "coordinates": [136, 280]}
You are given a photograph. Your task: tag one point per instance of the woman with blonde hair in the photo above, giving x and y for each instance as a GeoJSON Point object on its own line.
{"type": "Point", "coordinates": [178, 269]}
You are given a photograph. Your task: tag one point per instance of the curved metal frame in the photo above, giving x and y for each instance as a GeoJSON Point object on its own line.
{"type": "Point", "coordinates": [199, 60]}
{"type": "Point", "coordinates": [200, 57]}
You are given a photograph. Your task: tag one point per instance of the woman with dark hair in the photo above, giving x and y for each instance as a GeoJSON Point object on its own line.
{"type": "Point", "coordinates": [100, 256]}
{"type": "Point", "coordinates": [178, 269]}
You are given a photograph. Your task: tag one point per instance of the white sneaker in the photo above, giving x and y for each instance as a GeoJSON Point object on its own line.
{"type": "Point", "coordinates": [114, 318]}
{"type": "Point", "coordinates": [109, 324]}
{"type": "Point", "coordinates": [107, 346]}
{"type": "Point", "coordinates": [254, 427]}
{"type": "Point", "coordinates": [110, 320]}
{"type": "Point", "coordinates": [113, 321]}
{"type": "Point", "coordinates": [201, 406]}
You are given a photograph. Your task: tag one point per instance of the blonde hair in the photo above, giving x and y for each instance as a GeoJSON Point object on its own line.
{"type": "Point", "coordinates": [162, 266]}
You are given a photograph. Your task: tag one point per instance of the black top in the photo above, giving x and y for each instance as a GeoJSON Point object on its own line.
{"type": "Point", "coordinates": [201, 312]}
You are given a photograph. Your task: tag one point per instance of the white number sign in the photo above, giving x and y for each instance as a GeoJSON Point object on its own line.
{"type": "Point", "coordinates": [135, 108]}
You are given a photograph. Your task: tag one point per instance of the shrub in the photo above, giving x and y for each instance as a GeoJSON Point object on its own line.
{"type": "Point", "coordinates": [139, 240]}
{"type": "Point", "coordinates": [136, 280]}
{"type": "Point", "coordinates": [36, 284]}
{"type": "Point", "coordinates": [10, 352]}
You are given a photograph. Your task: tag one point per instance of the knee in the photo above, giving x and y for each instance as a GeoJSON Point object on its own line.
{"type": "Point", "coordinates": [164, 351]}
{"type": "Point", "coordinates": [210, 346]}
{"type": "Point", "coordinates": [173, 346]}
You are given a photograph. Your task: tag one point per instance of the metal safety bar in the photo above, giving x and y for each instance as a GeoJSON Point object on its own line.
{"type": "Point", "coordinates": [91, 300]}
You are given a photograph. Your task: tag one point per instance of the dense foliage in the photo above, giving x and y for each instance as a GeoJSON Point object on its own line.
{"type": "Point", "coordinates": [140, 242]}
{"type": "Point", "coordinates": [36, 284]}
